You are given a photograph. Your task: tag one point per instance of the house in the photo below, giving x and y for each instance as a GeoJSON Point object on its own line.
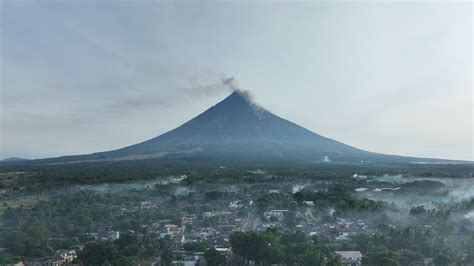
{"type": "Point", "coordinates": [350, 258]}
{"type": "Point", "coordinates": [223, 251]}
{"type": "Point", "coordinates": [235, 204]}
{"type": "Point", "coordinates": [146, 205]}
{"type": "Point", "coordinates": [188, 218]}
{"type": "Point", "coordinates": [67, 255]}
{"type": "Point", "coordinates": [62, 257]}
{"type": "Point", "coordinates": [113, 235]}
{"type": "Point", "coordinates": [342, 229]}
{"type": "Point", "coordinates": [187, 258]}
{"type": "Point", "coordinates": [173, 231]}
{"type": "Point", "coordinates": [226, 227]}
{"type": "Point", "coordinates": [54, 261]}
{"type": "Point", "coordinates": [342, 238]}
{"type": "Point", "coordinates": [309, 203]}
{"type": "Point", "coordinates": [172, 228]}
{"type": "Point", "coordinates": [208, 214]}
{"type": "Point", "coordinates": [46, 261]}
{"type": "Point", "coordinates": [276, 213]}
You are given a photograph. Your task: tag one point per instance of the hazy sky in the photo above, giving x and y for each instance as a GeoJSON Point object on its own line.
{"type": "Point", "coordinates": [386, 77]}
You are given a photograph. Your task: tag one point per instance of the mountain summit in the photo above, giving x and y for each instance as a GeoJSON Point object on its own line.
{"type": "Point", "coordinates": [238, 128]}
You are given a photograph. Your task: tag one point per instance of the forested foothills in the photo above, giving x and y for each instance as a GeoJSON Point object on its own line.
{"type": "Point", "coordinates": [40, 176]}
{"type": "Point", "coordinates": [237, 215]}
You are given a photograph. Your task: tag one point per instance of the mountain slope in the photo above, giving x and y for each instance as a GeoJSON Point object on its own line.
{"type": "Point", "coordinates": [238, 128]}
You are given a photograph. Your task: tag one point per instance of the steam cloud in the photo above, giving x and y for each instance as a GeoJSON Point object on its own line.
{"type": "Point", "coordinates": [232, 84]}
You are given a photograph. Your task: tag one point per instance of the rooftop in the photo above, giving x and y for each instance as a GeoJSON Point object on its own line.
{"type": "Point", "coordinates": [349, 254]}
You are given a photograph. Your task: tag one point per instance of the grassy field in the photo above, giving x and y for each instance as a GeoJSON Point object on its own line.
{"type": "Point", "coordinates": [18, 201]}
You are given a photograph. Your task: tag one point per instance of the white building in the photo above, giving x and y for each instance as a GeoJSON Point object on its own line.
{"type": "Point", "coordinates": [113, 235]}
{"type": "Point", "coordinates": [276, 213]}
{"type": "Point", "coordinates": [350, 258]}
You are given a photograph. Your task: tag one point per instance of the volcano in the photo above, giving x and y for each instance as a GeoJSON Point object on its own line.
{"type": "Point", "coordinates": [237, 128]}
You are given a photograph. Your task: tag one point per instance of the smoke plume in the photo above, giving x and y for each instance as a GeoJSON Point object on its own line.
{"type": "Point", "coordinates": [232, 84]}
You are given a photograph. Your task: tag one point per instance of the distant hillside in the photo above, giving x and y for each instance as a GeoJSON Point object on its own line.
{"type": "Point", "coordinates": [14, 159]}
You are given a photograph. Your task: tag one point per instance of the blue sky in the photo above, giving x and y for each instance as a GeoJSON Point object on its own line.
{"type": "Point", "coordinates": [79, 77]}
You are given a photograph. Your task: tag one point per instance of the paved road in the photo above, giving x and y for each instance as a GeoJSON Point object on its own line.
{"type": "Point", "coordinates": [249, 224]}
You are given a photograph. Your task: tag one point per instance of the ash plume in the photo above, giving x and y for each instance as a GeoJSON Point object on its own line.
{"type": "Point", "coordinates": [232, 84]}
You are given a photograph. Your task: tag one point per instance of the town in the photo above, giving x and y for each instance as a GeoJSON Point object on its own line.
{"type": "Point", "coordinates": [193, 221]}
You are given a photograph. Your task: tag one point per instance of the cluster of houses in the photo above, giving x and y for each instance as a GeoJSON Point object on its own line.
{"type": "Point", "coordinates": [109, 235]}
{"type": "Point", "coordinates": [226, 222]}
{"type": "Point", "coordinates": [60, 258]}
{"type": "Point", "coordinates": [340, 230]}
{"type": "Point", "coordinates": [217, 236]}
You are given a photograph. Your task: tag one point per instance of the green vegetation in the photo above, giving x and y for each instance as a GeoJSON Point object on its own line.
{"type": "Point", "coordinates": [40, 176]}
{"type": "Point", "coordinates": [408, 246]}
{"type": "Point", "coordinates": [289, 248]}
{"type": "Point", "coordinates": [43, 208]}
{"type": "Point", "coordinates": [213, 257]}
{"type": "Point", "coordinates": [124, 251]}
{"type": "Point", "coordinates": [339, 198]}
